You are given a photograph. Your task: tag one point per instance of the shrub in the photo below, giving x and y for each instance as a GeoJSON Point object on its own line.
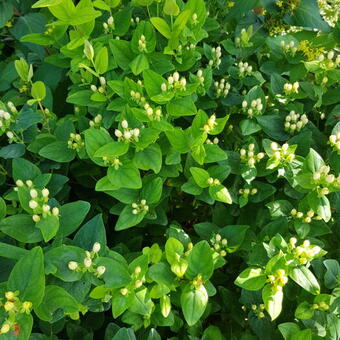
{"type": "Point", "coordinates": [169, 169]}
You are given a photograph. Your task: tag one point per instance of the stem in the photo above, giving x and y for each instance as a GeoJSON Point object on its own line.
{"type": "Point", "coordinates": [172, 22]}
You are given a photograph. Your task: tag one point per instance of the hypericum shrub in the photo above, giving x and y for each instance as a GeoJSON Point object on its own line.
{"type": "Point", "coordinates": [169, 169]}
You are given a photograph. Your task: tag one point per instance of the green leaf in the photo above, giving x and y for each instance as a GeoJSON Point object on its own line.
{"type": "Point", "coordinates": [126, 176]}
{"type": "Point", "coordinates": [127, 219]}
{"type": "Point", "coordinates": [152, 190]}
{"type": "Point", "coordinates": [173, 249]}
{"type": "Point", "coordinates": [57, 259]}
{"type": "Point", "coordinates": [90, 233]}
{"type": "Point", "coordinates": [57, 299]}
{"type": "Point", "coordinates": [101, 61]}
{"type": "Point", "coordinates": [28, 277]}
{"type": "Point", "coordinates": [304, 311]}
{"type": "Point", "coordinates": [71, 216]}
{"type": "Point", "coordinates": [200, 176]}
{"type": "Point", "coordinates": [58, 152]}
{"type": "Point", "coordinates": [272, 301]}
{"type": "Point", "coordinates": [162, 26]}
{"type": "Point", "coordinates": [38, 90]}
{"type": "Point", "coordinates": [21, 228]}
{"type": "Point", "coordinates": [200, 261]}
{"type": "Point", "coordinates": [251, 279]}
{"type": "Point", "coordinates": [171, 7]}
{"type": "Point", "coordinates": [122, 52]}
{"type": "Point", "coordinates": [112, 149]}
{"type": "Point", "coordinates": [235, 235]}
{"type": "Point", "coordinates": [180, 107]}
{"type": "Point", "coordinates": [139, 64]}
{"type": "Point", "coordinates": [149, 158]}
{"type": "Point", "coordinates": [48, 226]}
{"type": "Point", "coordinates": [193, 303]}
{"type": "Point", "coordinates": [220, 193]}
{"type": "Point", "coordinates": [116, 274]}
{"type": "Point", "coordinates": [306, 279]}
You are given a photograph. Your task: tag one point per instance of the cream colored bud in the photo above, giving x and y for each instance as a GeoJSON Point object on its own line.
{"type": "Point", "coordinates": [96, 247]}
{"type": "Point", "coordinates": [33, 204]}
{"type": "Point", "coordinates": [72, 265]}
{"type": "Point", "coordinates": [118, 133]}
{"type": "Point", "coordinates": [45, 192]}
{"type": "Point", "coordinates": [125, 124]}
{"type": "Point", "coordinates": [87, 262]}
{"type": "Point", "coordinates": [36, 218]}
{"type": "Point", "coordinates": [46, 208]}
{"type": "Point", "coordinates": [55, 211]}
{"type": "Point", "coordinates": [101, 270]}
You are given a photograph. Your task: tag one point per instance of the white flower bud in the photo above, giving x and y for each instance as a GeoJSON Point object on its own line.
{"type": "Point", "coordinates": [125, 124]}
{"type": "Point", "coordinates": [93, 88]}
{"type": "Point", "coordinates": [118, 133]}
{"type": "Point", "coordinates": [330, 55]}
{"type": "Point", "coordinates": [33, 193]}
{"type": "Point", "coordinates": [101, 270]}
{"type": "Point", "coordinates": [72, 265]}
{"type": "Point", "coordinates": [33, 204]}
{"type": "Point", "coordinates": [176, 76]}
{"type": "Point", "coordinates": [19, 183]}
{"type": "Point", "coordinates": [36, 218]}
{"type": "Point", "coordinates": [46, 208]}
{"type": "Point", "coordinates": [29, 183]}
{"type": "Point", "coordinates": [55, 211]}
{"type": "Point", "coordinates": [96, 247]}
{"type": "Point", "coordinates": [127, 134]}
{"type": "Point", "coordinates": [87, 262]}
{"type": "Point", "coordinates": [10, 134]}
{"type": "Point", "coordinates": [7, 116]}
{"type": "Point", "coordinates": [45, 192]}
{"type": "Point", "coordinates": [244, 104]}
{"type": "Point", "coordinates": [163, 87]}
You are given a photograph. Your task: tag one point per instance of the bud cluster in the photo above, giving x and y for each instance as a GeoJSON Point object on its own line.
{"type": "Point", "coordinates": [214, 141]}
{"type": "Point", "coordinates": [13, 307]}
{"type": "Point", "coordinates": [289, 48]}
{"type": "Point", "coordinates": [219, 245]}
{"type": "Point", "coordinates": [253, 108]}
{"type": "Point", "coordinates": [127, 135]}
{"type": "Point", "coordinates": [109, 25]}
{"type": "Point", "coordinates": [112, 161]}
{"type": "Point", "coordinates": [221, 88]}
{"type": "Point", "coordinates": [142, 43]}
{"type": "Point", "coordinates": [334, 141]}
{"type": "Point", "coordinates": [88, 265]}
{"type": "Point", "coordinates": [282, 153]}
{"type": "Point", "coordinates": [75, 142]}
{"type": "Point", "coordinates": [153, 114]}
{"type": "Point", "coordinates": [216, 56]}
{"type": "Point", "coordinates": [175, 83]}
{"type": "Point", "coordinates": [138, 98]}
{"type": "Point", "coordinates": [6, 119]}
{"type": "Point", "coordinates": [306, 218]}
{"type": "Point", "coordinates": [247, 191]}
{"type": "Point", "coordinates": [291, 88]}
{"type": "Point", "coordinates": [101, 88]}
{"type": "Point", "coordinates": [38, 201]}
{"type": "Point", "coordinates": [194, 18]}
{"type": "Point", "coordinates": [96, 122]}
{"type": "Point", "coordinates": [138, 208]}
{"type": "Point", "coordinates": [197, 282]}
{"type": "Point", "coordinates": [213, 181]}
{"type": "Point", "coordinates": [305, 252]}
{"type": "Point", "coordinates": [278, 280]}
{"type": "Point", "coordinates": [244, 69]}
{"type": "Point", "coordinates": [325, 181]}
{"type": "Point", "coordinates": [258, 310]}
{"type": "Point", "coordinates": [210, 124]}
{"type": "Point", "coordinates": [327, 62]}
{"type": "Point", "coordinates": [250, 157]}
{"type": "Point", "coordinates": [294, 122]}
{"type": "Point", "coordinates": [199, 74]}
{"type": "Point", "coordinates": [322, 306]}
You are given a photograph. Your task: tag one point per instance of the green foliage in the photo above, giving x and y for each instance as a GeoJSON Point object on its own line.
{"type": "Point", "coordinates": [169, 170]}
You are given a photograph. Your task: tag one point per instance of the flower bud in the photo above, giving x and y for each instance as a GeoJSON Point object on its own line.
{"type": "Point", "coordinates": [125, 124]}
{"type": "Point", "coordinates": [101, 270]}
{"type": "Point", "coordinates": [96, 247]}
{"type": "Point", "coordinates": [36, 218]}
{"type": "Point", "coordinates": [45, 192]}
{"type": "Point", "coordinates": [87, 262]}
{"type": "Point", "coordinates": [33, 204]}
{"type": "Point", "coordinates": [72, 265]}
